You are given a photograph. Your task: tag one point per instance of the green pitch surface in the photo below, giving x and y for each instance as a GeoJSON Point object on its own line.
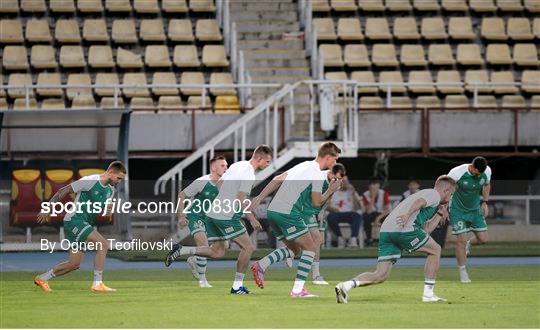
{"type": "Point", "coordinates": [506, 297]}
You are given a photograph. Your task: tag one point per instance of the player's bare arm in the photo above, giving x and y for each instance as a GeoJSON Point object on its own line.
{"type": "Point", "coordinates": [318, 199]}
{"type": "Point", "coordinates": [255, 224]}
{"type": "Point", "coordinates": [182, 219]}
{"type": "Point", "coordinates": [270, 188]}
{"type": "Point", "coordinates": [485, 198]}
{"type": "Point", "coordinates": [439, 217]}
{"type": "Point", "coordinates": [45, 217]}
{"type": "Point", "coordinates": [417, 205]}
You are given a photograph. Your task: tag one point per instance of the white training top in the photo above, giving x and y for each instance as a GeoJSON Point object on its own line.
{"type": "Point", "coordinates": [197, 186]}
{"type": "Point", "coordinates": [240, 177]}
{"type": "Point", "coordinates": [432, 198]}
{"type": "Point", "coordinates": [298, 179]}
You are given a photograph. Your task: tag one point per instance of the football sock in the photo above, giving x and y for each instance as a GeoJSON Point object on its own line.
{"type": "Point", "coordinates": [276, 256]}
{"type": "Point", "coordinates": [98, 277]}
{"type": "Point", "coordinates": [304, 267]}
{"type": "Point", "coordinates": [428, 287]}
{"type": "Point", "coordinates": [47, 275]}
{"type": "Point", "coordinates": [201, 268]}
{"type": "Point", "coordinates": [238, 281]}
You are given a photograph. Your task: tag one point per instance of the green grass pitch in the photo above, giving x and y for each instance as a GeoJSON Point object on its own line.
{"type": "Point", "coordinates": [506, 297]}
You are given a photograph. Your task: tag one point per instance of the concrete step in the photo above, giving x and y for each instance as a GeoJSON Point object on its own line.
{"type": "Point", "coordinates": [303, 135]}
{"type": "Point", "coordinates": [271, 44]}
{"type": "Point", "coordinates": [267, 25]}
{"type": "Point", "coordinates": [264, 5]}
{"type": "Point", "coordinates": [279, 79]}
{"type": "Point", "coordinates": [279, 71]}
{"type": "Point", "coordinates": [282, 62]}
{"type": "Point", "coordinates": [261, 35]}
{"type": "Point", "coordinates": [272, 54]}
{"type": "Point", "coordinates": [263, 14]}
{"type": "Point", "coordinates": [300, 100]}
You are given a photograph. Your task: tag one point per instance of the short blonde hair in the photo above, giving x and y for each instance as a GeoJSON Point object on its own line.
{"type": "Point", "coordinates": [329, 149]}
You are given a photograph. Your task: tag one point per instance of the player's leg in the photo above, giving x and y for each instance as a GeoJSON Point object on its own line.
{"type": "Point", "coordinates": [246, 250]}
{"type": "Point", "coordinates": [304, 265]}
{"type": "Point", "coordinates": [102, 246]}
{"type": "Point", "coordinates": [461, 256]}
{"type": "Point", "coordinates": [433, 251]}
{"type": "Point", "coordinates": [381, 274]}
{"type": "Point", "coordinates": [198, 263]}
{"type": "Point", "coordinates": [73, 263]}
{"type": "Point", "coordinates": [317, 238]}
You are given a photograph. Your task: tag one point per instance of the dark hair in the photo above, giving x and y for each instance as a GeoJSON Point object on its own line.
{"type": "Point", "coordinates": [262, 150]}
{"type": "Point", "coordinates": [328, 149]}
{"type": "Point", "coordinates": [117, 166]}
{"type": "Point", "coordinates": [479, 163]}
{"type": "Point", "coordinates": [413, 179]}
{"type": "Point", "coordinates": [373, 180]}
{"type": "Point", "coordinates": [216, 158]}
{"type": "Point", "coordinates": [338, 167]}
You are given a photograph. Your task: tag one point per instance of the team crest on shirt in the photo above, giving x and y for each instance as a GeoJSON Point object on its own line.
{"type": "Point", "coordinates": [465, 182]}
{"type": "Point", "coordinates": [96, 193]}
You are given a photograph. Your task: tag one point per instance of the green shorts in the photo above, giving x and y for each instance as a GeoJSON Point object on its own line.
{"type": "Point", "coordinates": [311, 221]}
{"type": "Point", "coordinates": [464, 222]}
{"type": "Point", "coordinates": [77, 230]}
{"type": "Point", "coordinates": [391, 244]}
{"type": "Point", "coordinates": [197, 224]}
{"type": "Point", "coordinates": [223, 230]}
{"type": "Point", "coordinates": [286, 226]}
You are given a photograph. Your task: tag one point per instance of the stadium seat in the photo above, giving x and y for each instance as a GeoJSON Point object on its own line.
{"type": "Point", "coordinates": [449, 77]}
{"type": "Point", "coordinates": [33, 6]}
{"type": "Point", "coordinates": [433, 28]}
{"type": "Point", "coordinates": [83, 102]}
{"type": "Point", "coordinates": [227, 104]}
{"type": "Point", "coordinates": [331, 55]}
{"type": "Point", "coordinates": [100, 57]}
{"type": "Point", "coordinates": [196, 102]}
{"type": "Point", "coordinates": [477, 79]}
{"type": "Point", "coordinates": [170, 102]}
{"type": "Point", "coordinates": [20, 104]}
{"type": "Point", "coordinates": [43, 57]}
{"type": "Point", "coordinates": [456, 101]}
{"type": "Point", "coordinates": [11, 31]}
{"type": "Point", "coordinates": [62, 6]}
{"type": "Point", "coordinates": [180, 30]}
{"type": "Point", "coordinates": [426, 5]}
{"type": "Point", "coordinates": [469, 54]}
{"type": "Point", "coordinates": [498, 54]}
{"type": "Point", "coordinates": [214, 56]}
{"type": "Point", "coordinates": [127, 59]}
{"type": "Point", "coordinates": [157, 56]}
{"type": "Point", "coordinates": [371, 5]}
{"type": "Point", "coordinates": [15, 58]}
{"type": "Point", "coordinates": [135, 79]}
{"type": "Point", "coordinates": [53, 104]}
{"type": "Point", "coordinates": [370, 103]}
{"type": "Point", "coordinates": [356, 55]}
{"type": "Point", "coordinates": [530, 80]}
{"type": "Point", "coordinates": [377, 29]}
{"type": "Point", "coordinates": [3, 104]}
{"type": "Point", "coordinates": [392, 77]}
{"type": "Point", "coordinates": [108, 103]}
{"type": "Point", "coordinates": [152, 30]}
{"type": "Point", "coordinates": [339, 75]}
{"type": "Point", "coordinates": [191, 78]}
{"type": "Point", "coordinates": [26, 197]}
{"type": "Point", "coordinates": [455, 5]}
{"type": "Point", "coordinates": [123, 31]}
{"type": "Point", "coordinates": [320, 6]}
{"type": "Point", "coordinates": [2, 90]}
{"type": "Point", "coordinates": [349, 29]}
{"type": "Point", "coordinates": [118, 5]}
{"type": "Point", "coordinates": [72, 57]}
{"type": "Point", "coordinates": [486, 101]}
{"type": "Point", "coordinates": [9, 6]}
{"type": "Point", "coordinates": [67, 31]}
{"type": "Point", "coordinates": [106, 79]}
{"type": "Point", "coordinates": [405, 28]}
{"type": "Point", "coordinates": [164, 78]}
{"type": "Point", "coordinates": [416, 78]}
{"type": "Point", "coordinates": [535, 101]}
{"type": "Point", "coordinates": [202, 6]}
{"type": "Point", "coordinates": [324, 28]}
{"type": "Point", "coordinates": [141, 103]}
{"type": "Point", "coordinates": [95, 30]}
{"type": "Point", "coordinates": [401, 102]}
{"type": "Point", "coordinates": [185, 56]}
{"type": "Point", "coordinates": [440, 54]}
{"type": "Point", "coordinates": [461, 28]}
{"type": "Point", "coordinates": [413, 55]}
{"type": "Point", "coordinates": [482, 6]}
{"type": "Point", "coordinates": [398, 5]}
{"type": "Point", "coordinates": [519, 28]}
{"type": "Point", "coordinates": [510, 5]}
{"type": "Point", "coordinates": [343, 5]}
{"type": "Point", "coordinates": [499, 78]}
{"type": "Point", "coordinates": [38, 31]}
{"type": "Point", "coordinates": [364, 77]}
{"type": "Point", "coordinates": [513, 101]}
{"type": "Point", "coordinates": [222, 78]}
{"type": "Point", "coordinates": [532, 6]}
{"type": "Point", "coordinates": [493, 29]}
{"type": "Point", "coordinates": [19, 79]}
{"type": "Point", "coordinates": [77, 79]}
{"type": "Point", "coordinates": [49, 78]}
{"type": "Point", "coordinates": [207, 30]}
{"type": "Point", "coordinates": [54, 181]}
{"type": "Point", "coordinates": [89, 171]}
{"type": "Point", "coordinates": [174, 6]}
{"type": "Point", "coordinates": [146, 6]}
{"type": "Point", "coordinates": [525, 54]}
{"type": "Point", "coordinates": [428, 102]}
{"type": "Point", "coordinates": [90, 6]}
{"type": "Point", "coordinates": [384, 55]}
{"type": "Point", "coordinates": [536, 27]}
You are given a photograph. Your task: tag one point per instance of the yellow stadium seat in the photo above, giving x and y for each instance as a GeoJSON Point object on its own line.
{"type": "Point", "coordinates": [498, 54]}
{"type": "Point", "coordinates": [157, 56]}
{"type": "Point", "coordinates": [78, 79]}
{"type": "Point", "coordinates": [349, 29]}
{"type": "Point", "coordinates": [341, 75]}
{"type": "Point", "coordinates": [417, 78]}
{"type": "Point", "coordinates": [90, 6]}
{"type": "Point", "coordinates": [469, 54]}
{"type": "Point", "coordinates": [43, 57]}
{"type": "Point", "coordinates": [532, 6]}
{"type": "Point", "coordinates": [433, 28]}
{"type": "Point", "coordinates": [11, 31]}
{"type": "Point", "coordinates": [503, 82]}
{"type": "Point", "coordinates": [370, 103]}
{"type": "Point", "coordinates": [413, 55]}
{"type": "Point", "coordinates": [519, 28]}
{"type": "Point", "coordinates": [510, 5]}
{"type": "Point", "coordinates": [47, 78]}
{"type": "Point", "coordinates": [2, 90]}
{"type": "Point", "coordinates": [392, 77]}
{"type": "Point", "coordinates": [174, 6]}
{"type": "Point", "coordinates": [62, 6]}
{"type": "Point", "coordinates": [493, 29]}
{"type": "Point", "coordinates": [343, 5]}
{"type": "Point", "coordinates": [384, 55]}
{"type": "Point", "coordinates": [100, 57]}
{"type": "Point", "coordinates": [423, 102]}
{"type": "Point", "coordinates": [33, 6]}
{"type": "Point", "coordinates": [324, 28]}
{"type": "Point", "coordinates": [180, 30]}
{"type": "Point", "coordinates": [535, 101]}
{"type": "Point", "coordinates": [123, 31]}
{"type": "Point", "coordinates": [152, 30]}
{"type": "Point", "coordinates": [449, 77]}
{"type": "Point", "coordinates": [9, 6]}
{"type": "Point", "coordinates": [398, 5]}
{"type": "Point", "coordinates": [536, 27]}
{"type": "Point", "coordinates": [135, 79]}
{"type": "Point", "coordinates": [146, 6]}
{"type": "Point", "coordinates": [19, 79]}
{"type": "Point", "coordinates": [401, 102]}
{"type": "Point", "coordinates": [426, 5]}
{"type": "Point", "coordinates": [15, 58]}
{"type": "Point", "coordinates": [170, 102]}
{"type": "Point", "coordinates": [482, 6]}
{"type": "Point", "coordinates": [207, 30]}
{"type": "Point", "coordinates": [456, 101]}
{"type": "Point", "coordinates": [377, 29]}
{"type": "Point", "coordinates": [513, 101]}
{"type": "Point", "coordinates": [185, 56]}
{"type": "Point", "coordinates": [222, 78]}
{"type": "Point", "coordinates": [90, 171]}
{"type": "Point", "coordinates": [164, 78]}
{"type": "Point", "coordinates": [486, 101]}
{"type": "Point", "coordinates": [106, 79]}
{"type": "Point", "coordinates": [214, 56]}
{"type": "Point", "coordinates": [320, 6]}
{"type": "Point", "coordinates": [202, 6]}
{"type": "Point", "coordinates": [83, 102]}
{"type": "Point", "coordinates": [127, 59]}
{"type": "Point", "coordinates": [227, 103]}
{"type": "Point", "coordinates": [371, 5]}
{"type": "Point", "coordinates": [356, 55]}
{"type": "Point", "coordinates": [455, 5]}
{"type": "Point", "coordinates": [53, 104]}
{"type": "Point", "coordinates": [461, 28]}
{"type": "Point", "coordinates": [191, 78]}
{"type": "Point", "coordinates": [405, 28]}
{"type": "Point", "coordinates": [3, 104]}
{"type": "Point", "coordinates": [142, 103]}
{"type": "Point", "coordinates": [20, 104]}
{"type": "Point", "coordinates": [95, 30]}
{"type": "Point", "coordinates": [364, 77]}
{"type": "Point", "coordinates": [477, 79]}
{"type": "Point", "coordinates": [118, 5]}
{"type": "Point", "coordinates": [38, 30]}
{"type": "Point", "coordinates": [196, 102]}
{"type": "Point", "coordinates": [331, 55]}
{"type": "Point", "coordinates": [72, 57]}
{"type": "Point", "coordinates": [525, 54]}
{"type": "Point", "coordinates": [108, 103]}
{"type": "Point", "coordinates": [67, 31]}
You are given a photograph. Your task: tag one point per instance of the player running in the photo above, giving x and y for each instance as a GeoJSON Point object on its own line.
{"type": "Point", "coordinates": [202, 191]}
{"type": "Point", "coordinates": [78, 226]}
{"type": "Point", "coordinates": [223, 221]}
{"type": "Point", "coordinates": [286, 218]}
{"type": "Point", "coordinates": [406, 229]}
{"type": "Point", "coordinates": [467, 213]}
